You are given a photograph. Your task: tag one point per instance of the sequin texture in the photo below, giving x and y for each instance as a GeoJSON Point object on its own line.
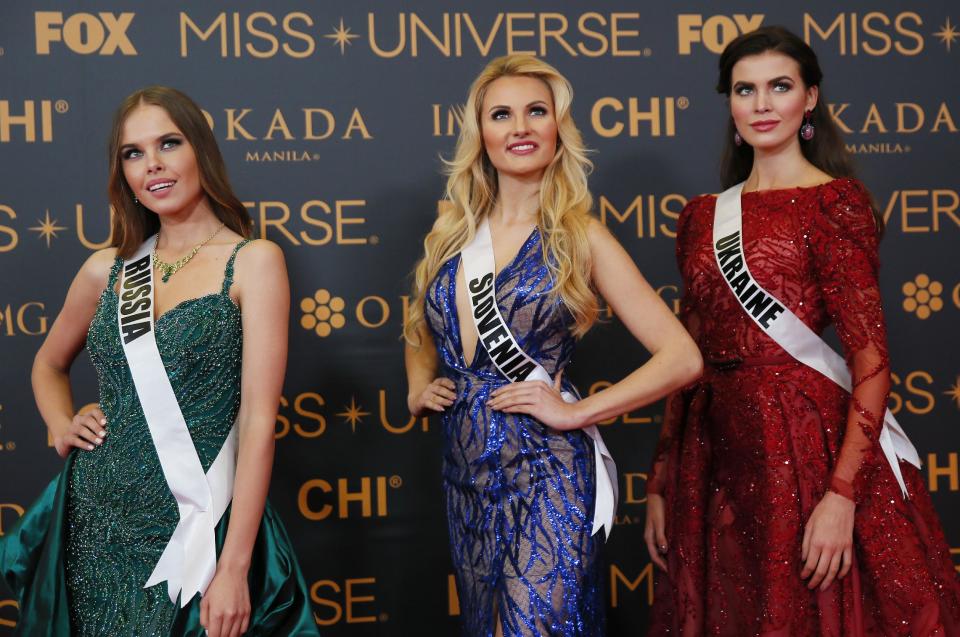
{"type": "Point", "coordinates": [748, 452]}
{"type": "Point", "coordinates": [520, 496]}
{"type": "Point", "coordinates": [120, 510]}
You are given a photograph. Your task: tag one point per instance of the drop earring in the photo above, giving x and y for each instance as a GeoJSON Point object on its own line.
{"type": "Point", "coordinates": [737, 139]}
{"type": "Point", "coordinates": [807, 130]}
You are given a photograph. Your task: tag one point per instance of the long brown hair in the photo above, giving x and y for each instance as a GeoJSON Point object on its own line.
{"type": "Point", "coordinates": [132, 222]}
{"type": "Point", "coordinates": [826, 150]}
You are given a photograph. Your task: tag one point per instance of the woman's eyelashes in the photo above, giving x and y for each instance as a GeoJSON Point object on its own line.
{"type": "Point", "coordinates": [168, 143]}
{"type": "Point", "coordinates": [779, 86]}
{"type": "Point", "coordinates": [503, 113]}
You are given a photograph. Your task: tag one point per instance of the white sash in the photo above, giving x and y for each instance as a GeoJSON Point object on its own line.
{"type": "Point", "coordinates": [784, 327]}
{"type": "Point", "coordinates": [495, 336]}
{"type": "Point", "coordinates": [189, 560]}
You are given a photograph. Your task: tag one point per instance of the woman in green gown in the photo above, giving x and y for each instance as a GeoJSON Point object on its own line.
{"type": "Point", "coordinates": [80, 559]}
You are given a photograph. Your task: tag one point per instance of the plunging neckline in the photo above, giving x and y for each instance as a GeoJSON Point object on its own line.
{"type": "Point", "coordinates": [521, 251]}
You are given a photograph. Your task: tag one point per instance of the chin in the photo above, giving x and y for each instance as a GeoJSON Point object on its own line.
{"type": "Point", "coordinates": [166, 208]}
{"type": "Point", "coordinates": [769, 144]}
{"type": "Point", "coordinates": [524, 168]}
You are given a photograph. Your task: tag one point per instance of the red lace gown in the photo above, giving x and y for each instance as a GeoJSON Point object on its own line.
{"type": "Point", "coordinates": [748, 452]}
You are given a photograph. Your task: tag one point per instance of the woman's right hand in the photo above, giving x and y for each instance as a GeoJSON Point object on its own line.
{"type": "Point", "coordinates": [85, 431]}
{"type": "Point", "coordinates": [436, 396]}
{"type": "Point", "coordinates": [654, 530]}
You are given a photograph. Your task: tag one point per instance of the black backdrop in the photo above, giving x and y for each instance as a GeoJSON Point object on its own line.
{"type": "Point", "coordinates": [332, 115]}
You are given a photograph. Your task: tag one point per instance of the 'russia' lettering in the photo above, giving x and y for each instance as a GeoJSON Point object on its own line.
{"type": "Point", "coordinates": [137, 307]}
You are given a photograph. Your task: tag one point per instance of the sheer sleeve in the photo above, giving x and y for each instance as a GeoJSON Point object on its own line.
{"type": "Point", "coordinates": [667, 449]}
{"type": "Point", "coordinates": [843, 239]}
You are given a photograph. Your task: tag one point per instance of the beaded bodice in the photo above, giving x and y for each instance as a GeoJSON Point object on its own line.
{"type": "Point", "coordinates": [118, 495]}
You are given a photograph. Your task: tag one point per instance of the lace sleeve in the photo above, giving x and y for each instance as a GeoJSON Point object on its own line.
{"type": "Point", "coordinates": [674, 412]}
{"type": "Point", "coordinates": [843, 240]}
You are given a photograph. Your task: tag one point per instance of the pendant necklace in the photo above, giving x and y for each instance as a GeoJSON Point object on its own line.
{"type": "Point", "coordinates": [169, 269]}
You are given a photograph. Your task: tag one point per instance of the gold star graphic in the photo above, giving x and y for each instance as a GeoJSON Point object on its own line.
{"type": "Point", "coordinates": [353, 414]}
{"type": "Point", "coordinates": [954, 392]}
{"type": "Point", "coordinates": [48, 228]}
{"type": "Point", "coordinates": [341, 36]}
{"type": "Point", "coordinates": [947, 34]}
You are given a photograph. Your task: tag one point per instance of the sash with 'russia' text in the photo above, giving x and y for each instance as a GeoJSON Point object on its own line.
{"type": "Point", "coordinates": [189, 560]}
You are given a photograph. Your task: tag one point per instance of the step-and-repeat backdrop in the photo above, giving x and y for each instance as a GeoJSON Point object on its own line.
{"type": "Point", "coordinates": [332, 117]}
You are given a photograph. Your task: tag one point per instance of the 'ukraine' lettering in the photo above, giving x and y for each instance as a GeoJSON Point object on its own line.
{"type": "Point", "coordinates": [761, 305]}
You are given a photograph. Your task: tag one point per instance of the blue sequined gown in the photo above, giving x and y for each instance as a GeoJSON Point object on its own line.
{"type": "Point", "coordinates": [520, 496]}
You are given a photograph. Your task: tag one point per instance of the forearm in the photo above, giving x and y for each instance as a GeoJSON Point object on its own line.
{"type": "Point", "coordinates": [254, 466]}
{"type": "Point", "coordinates": [865, 413]}
{"type": "Point", "coordinates": [673, 415]}
{"type": "Point", "coordinates": [421, 366]}
{"type": "Point", "coordinates": [666, 371]}
{"type": "Point", "coordinates": [53, 395]}
{"type": "Point", "coordinates": [416, 386]}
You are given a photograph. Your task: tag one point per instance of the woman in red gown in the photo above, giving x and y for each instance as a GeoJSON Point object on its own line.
{"type": "Point", "coordinates": [772, 509]}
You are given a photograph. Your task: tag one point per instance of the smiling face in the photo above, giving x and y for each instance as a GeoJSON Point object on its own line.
{"type": "Point", "coordinates": [158, 162]}
{"type": "Point", "coordinates": [518, 125]}
{"type": "Point", "coordinates": [768, 100]}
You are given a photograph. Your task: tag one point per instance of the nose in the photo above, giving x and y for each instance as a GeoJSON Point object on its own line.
{"type": "Point", "coordinates": [520, 125]}
{"type": "Point", "coordinates": [154, 162]}
{"type": "Point", "coordinates": [761, 102]}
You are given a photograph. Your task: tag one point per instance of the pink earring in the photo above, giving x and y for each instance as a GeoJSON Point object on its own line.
{"type": "Point", "coordinates": [807, 131]}
{"type": "Point", "coordinates": [737, 139]}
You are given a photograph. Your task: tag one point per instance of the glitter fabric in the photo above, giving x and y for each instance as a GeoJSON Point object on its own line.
{"type": "Point", "coordinates": [520, 496]}
{"type": "Point", "coordinates": [120, 511]}
{"type": "Point", "coordinates": [748, 452]}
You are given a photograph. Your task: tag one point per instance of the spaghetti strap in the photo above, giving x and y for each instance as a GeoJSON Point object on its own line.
{"type": "Point", "coordinates": [114, 273]}
{"type": "Point", "coordinates": [228, 273]}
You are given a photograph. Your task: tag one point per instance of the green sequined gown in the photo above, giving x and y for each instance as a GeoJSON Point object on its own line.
{"type": "Point", "coordinates": [79, 558]}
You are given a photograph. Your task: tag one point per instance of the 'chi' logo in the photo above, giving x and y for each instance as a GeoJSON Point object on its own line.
{"type": "Point", "coordinates": [922, 296]}
{"type": "Point", "coordinates": [322, 313]}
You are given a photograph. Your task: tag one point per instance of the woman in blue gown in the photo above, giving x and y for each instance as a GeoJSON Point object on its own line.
{"type": "Point", "coordinates": [525, 488]}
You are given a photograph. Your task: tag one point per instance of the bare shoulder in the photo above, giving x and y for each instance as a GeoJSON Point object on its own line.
{"type": "Point", "coordinates": [261, 252]}
{"type": "Point", "coordinates": [95, 271]}
{"type": "Point", "coordinates": [260, 259]}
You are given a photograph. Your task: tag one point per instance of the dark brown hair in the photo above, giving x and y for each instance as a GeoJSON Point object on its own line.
{"type": "Point", "coordinates": [826, 150]}
{"type": "Point", "coordinates": [133, 223]}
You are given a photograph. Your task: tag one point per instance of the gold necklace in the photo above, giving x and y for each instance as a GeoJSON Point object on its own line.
{"type": "Point", "coordinates": [168, 269]}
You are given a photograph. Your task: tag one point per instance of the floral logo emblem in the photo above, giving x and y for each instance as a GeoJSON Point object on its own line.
{"type": "Point", "coordinates": [322, 313]}
{"type": "Point", "coordinates": [922, 296]}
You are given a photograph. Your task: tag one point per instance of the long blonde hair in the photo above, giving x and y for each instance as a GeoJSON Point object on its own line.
{"type": "Point", "coordinates": [471, 193]}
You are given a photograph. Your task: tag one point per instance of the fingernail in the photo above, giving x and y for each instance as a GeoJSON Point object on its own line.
{"type": "Point", "coordinates": [99, 441]}
{"type": "Point", "coordinates": [103, 421]}
{"type": "Point", "coordinates": [103, 433]}
{"type": "Point", "coordinates": [89, 447]}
